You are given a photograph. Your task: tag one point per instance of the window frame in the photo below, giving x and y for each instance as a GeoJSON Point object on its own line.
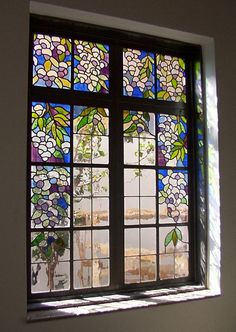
{"type": "Point", "coordinates": [203, 236]}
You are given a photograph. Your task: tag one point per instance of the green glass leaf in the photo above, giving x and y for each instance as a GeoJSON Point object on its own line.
{"type": "Point", "coordinates": [179, 234]}
{"type": "Point", "coordinates": [102, 48]}
{"type": "Point", "coordinates": [61, 110]}
{"type": "Point", "coordinates": [131, 129]}
{"type": "Point", "coordinates": [128, 118]}
{"type": "Point", "coordinates": [146, 116]}
{"type": "Point", "coordinates": [82, 122]}
{"type": "Point", "coordinates": [174, 154]}
{"type": "Point", "coordinates": [40, 123]}
{"type": "Point", "coordinates": [101, 128]}
{"type": "Point", "coordinates": [174, 237]}
{"type": "Point", "coordinates": [168, 238]}
{"type": "Point", "coordinates": [35, 124]}
{"type": "Point", "coordinates": [102, 111]}
{"type": "Point", "coordinates": [59, 120]}
{"type": "Point", "coordinates": [182, 153]}
{"type": "Point", "coordinates": [174, 83]}
{"type": "Point", "coordinates": [182, 63]}
{"type": "Point", "coordinates": [39, 238]}
{"type": "Point", "coordinates": [183, 98]}
{"type": "Point", "coordinates": [58, 154]}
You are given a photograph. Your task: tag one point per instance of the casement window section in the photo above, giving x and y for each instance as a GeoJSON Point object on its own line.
{"type": "Point", "coordinates": [117, 170]}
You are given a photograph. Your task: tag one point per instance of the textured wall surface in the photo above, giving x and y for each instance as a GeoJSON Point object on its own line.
{"type": "Point", "coordinates": [211, 18]}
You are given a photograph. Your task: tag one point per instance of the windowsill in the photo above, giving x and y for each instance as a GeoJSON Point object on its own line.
{"type": "Point", "coordinates": [112, 303]}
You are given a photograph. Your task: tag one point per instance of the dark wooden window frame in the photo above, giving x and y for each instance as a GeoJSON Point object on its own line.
{"type": "Point", "coordinates": [116, 103]}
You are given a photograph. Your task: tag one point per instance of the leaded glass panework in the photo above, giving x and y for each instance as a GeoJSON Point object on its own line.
{"type": "Point", "coordinates": [112, 172]}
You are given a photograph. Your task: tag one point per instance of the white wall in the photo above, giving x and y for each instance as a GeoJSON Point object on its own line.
{"type": "Point", "coordinates": [214, 19]}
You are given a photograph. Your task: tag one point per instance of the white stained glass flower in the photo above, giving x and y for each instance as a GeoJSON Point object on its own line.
{"type": "Point", "coordinates": [44, 143]}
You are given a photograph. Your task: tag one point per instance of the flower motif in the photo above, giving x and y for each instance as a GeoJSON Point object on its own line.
{"type": "Point", "coordinates": [44, 143]}
{"type": "Point", "coordinates": [171, 76]}
{"type": "Point", "coordinates": [92, 66]}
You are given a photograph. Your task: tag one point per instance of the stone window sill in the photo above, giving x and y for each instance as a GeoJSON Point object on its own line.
{"type": "Point", "coordinates": [111, 303]}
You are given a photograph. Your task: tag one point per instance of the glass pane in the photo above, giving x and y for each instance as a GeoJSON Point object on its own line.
{"type": "Point", "coordinates": [147, 182]}
{"type": "Point", "coordinates": [138, 73]}
{"type": "Point", "coordinates": [147, 150]}
{"type": "Point", "coordinates": [132, 270]}
{"type": "Point", "coordinates": [173, 196]}
{"type": "Point", "coordinates": [171, 78]}
{"type": "Point", "coordinates": [100, 211]}
{"type": "Point", "coordinates": [82, 274]}
{"type": "Point", "coordinates": [100, 182]}
{"type": "Point", "coordinates": [91, 66]}
{"type": "Point", "coordinates": [49, 269]}
{"type": "Point", "coordinates": [50, 198]}
{"type": "Point", "coordinates": [100, 150]}
{"type": "Point", "coordinates": [91, 128]}
{"type": "Point", "coordinates": [101, 273]}
{"type": "Point", "coordinates": [82, 182]}
{"type": "Point", "coordinates": [50, 132]}
{"type": "Point", "coordinates": [131, 242]}
{"type": "Point", "coordinates": [82, 151]}
{"type": "Point", "coordinates": [148, 268]}
{"type": "Point", "coordinates": [131, 182]}
{"type": "Point", "coordinates": [82, 211]}
{"type": "Point", "coordinates": [167, 266]}
{"type": "Point", "coordinates": [131, 210]}
{"type": "Point", "coordinates": [147, 210]}
{"type": "Point", "coordinates": [82, 244]}
{"type": "Point", "coordinates": [51, 61]}
{"type": "Point", "coordinates": [148, 241]}
{"type": "Point", "coordinates": [172, 140]}
{"type": "Point", "coordinates": [181, 265]}
{"type": "Point", "coordinates": [131, 151]}
{"type": "Point", "coordinates": [173, 239]}
{"type": "Point", "coordinates": [100, 243]}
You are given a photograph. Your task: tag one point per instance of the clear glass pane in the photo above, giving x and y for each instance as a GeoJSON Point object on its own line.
{"type": "Point", "coordinates": [148, 268]}
{"type": "Point", "coordinates": [138, 73]}
{"type": "Point", "coordinates": [100, 211]}
{"type": "Point", "coordinates": [181, 265]}
{"type": "Point", "coordinates": [50, 196]}
{"type": "Point", "coordinates": [91, 62]}
{"type": "Point", "coordinates": [147, 150]}
{"type": "Point", "coordinates": [131, 182]}
{"type": "Point", "coordinates": [131, 242]}
{"type": "Point", "coordinates": [82, 274]}
{"type": "Point", "coordinates": [132, 270]}
{"type": "Point", "coordinates": [50, 276]}
{"type": "Point", "coordinates": [100, 181]}
{"type": "Point", "coordinates": [167, 266]}
{"type": "Point", "coordinates": [100, 149]}
{"type": "Point", "coordinates": [82, 148]}
{"type": "Point", "coordinates": [171, 78]}
{"type": "Point", "coordinates": [82, 182]}
{"type": "Point", "coordinates": [131, 210]}
{"type": "Point", "coordinates": [100, 243]}
{"type": "Point", "coordinates": [148, 241]}
{"type": "Point", "coordinates": [51, 61]}
{"type": "Point", "coordinates": [131, 151]}
{"type": "Point", "coordinates": [147, 182]}
{"type": "Point", "coordinates": [147, 210]}
{"type": "Point", "coordinates": [173, 196]}
{"type": "Point", "coordinates": [82, 212]}
{"type": "Point", "coordinates": [82, 244]}
{"type": "Point", "coordinates": [101, 272]}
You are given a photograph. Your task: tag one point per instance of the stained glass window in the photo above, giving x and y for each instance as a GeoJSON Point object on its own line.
{"type": "Point", "coordinates": [112, 176]}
